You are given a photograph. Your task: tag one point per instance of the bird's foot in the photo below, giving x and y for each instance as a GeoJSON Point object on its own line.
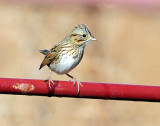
{"type": "Point", "coordinates": [50, 80]}
{"type": "Point", "coordinates": [78, 84]}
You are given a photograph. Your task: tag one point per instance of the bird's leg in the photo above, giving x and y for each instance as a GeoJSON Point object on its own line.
{"type": "Point", "coordinates": [75, 80]}
{"type": "Point", "coordinates": [50, 79]}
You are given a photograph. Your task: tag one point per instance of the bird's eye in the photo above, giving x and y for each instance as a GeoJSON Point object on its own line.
{"type": "Point", "coordinates": [84, 35]}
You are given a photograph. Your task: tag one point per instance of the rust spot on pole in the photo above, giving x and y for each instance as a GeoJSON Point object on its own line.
{"type": "Point", "coordinates": [24, 87]}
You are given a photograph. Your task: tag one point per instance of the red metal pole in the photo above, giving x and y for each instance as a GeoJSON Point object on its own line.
{"type": "Point", "coordinates": [89, 90]}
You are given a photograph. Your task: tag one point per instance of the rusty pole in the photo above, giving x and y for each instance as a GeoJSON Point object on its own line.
{"type": "Point", "coordinates": [89, 90]}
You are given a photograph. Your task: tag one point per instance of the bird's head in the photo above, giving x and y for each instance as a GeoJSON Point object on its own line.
{"type": "Point", "coordinates": [81, 35]}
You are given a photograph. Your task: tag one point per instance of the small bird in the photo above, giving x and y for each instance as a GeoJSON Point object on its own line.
{"type": "Point", "coordinates": [67, 54]}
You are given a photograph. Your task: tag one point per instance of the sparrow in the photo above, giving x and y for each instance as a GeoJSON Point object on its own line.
{"type": "Point", "coordinates": [67, 54]}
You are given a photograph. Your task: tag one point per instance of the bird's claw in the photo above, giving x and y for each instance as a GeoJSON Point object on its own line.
{"type": "Point", "coordinates": [50, 80]}
{"type": "Point", "coordinates": [78, 83]}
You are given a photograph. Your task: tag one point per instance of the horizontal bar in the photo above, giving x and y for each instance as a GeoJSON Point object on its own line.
{"type": "Point", "coordinates": [89, 90]}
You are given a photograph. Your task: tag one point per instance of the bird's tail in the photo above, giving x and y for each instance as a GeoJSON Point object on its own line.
{"type": "Point", "coordinates": [45, 52]}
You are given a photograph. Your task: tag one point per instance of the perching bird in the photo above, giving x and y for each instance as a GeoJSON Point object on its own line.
{"type": "Point", "coordinates": [66, 55]}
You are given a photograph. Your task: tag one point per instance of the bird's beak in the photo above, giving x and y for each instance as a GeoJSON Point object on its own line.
{"type": "Point", "coordinates": [93, 38]}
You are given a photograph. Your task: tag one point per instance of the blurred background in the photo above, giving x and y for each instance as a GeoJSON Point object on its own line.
{"type": "Point", "coordinates": [127, 52]}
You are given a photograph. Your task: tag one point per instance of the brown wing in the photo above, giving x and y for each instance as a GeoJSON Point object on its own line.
{"type": "Point", "coordinates": [48, 59]}
{"type": "Point", "coordinates": [50, 55]}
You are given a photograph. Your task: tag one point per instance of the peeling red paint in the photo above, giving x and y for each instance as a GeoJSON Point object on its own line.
{"type": "Point", "coordinates": [24, 87]}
